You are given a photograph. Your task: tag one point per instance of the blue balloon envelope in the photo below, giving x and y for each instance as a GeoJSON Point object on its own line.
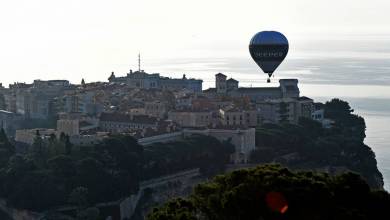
{"type": "Point", "coordinates": [268, 49]}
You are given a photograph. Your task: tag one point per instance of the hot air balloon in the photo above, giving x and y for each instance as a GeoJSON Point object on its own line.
{"type": "Point", "coordinates": [268, 49]}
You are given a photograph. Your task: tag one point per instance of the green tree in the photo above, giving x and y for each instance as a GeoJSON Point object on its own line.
{"type": "Point", "coordinates": [312, 128]}
{"type": "Point", "coordinates": [337, 108]}
{"type": "Point", "coordinates": [6, 148]}
{"type": "Point", "coordinates": [274, 192]}
{"type": "Point", "coordinates": [39, 150]}
{"type": "Point", "coordinates": [62, 166]}
{"type": "Point", "coordinates": [79, 197]}
{"type": "Point", "coordinates": [3, 105]}
{"type": "Point", "coordinates": [64, 142]}
{"type": "Point", "coordinates": [68, 145]}
{"type": "Point", "coordinates": [52, 146]}
{"type": "Point", "coordinates": [91, 213]}
{"type": "Point", "coordinates": [349, 124]}
{"type": "Point", "coordinates": [37, 145]}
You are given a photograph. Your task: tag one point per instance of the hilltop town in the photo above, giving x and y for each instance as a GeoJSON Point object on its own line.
{"type": "Point", "coordinates": [121, 147]}
{"type": "Point", "coordinates": [151, 108]}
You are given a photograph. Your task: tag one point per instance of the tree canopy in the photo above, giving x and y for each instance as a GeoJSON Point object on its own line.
{"type": "Point", "coordinates": [274, 192]}
{"type": "Point", "coordinates": [307, 145]}
{"type": "Point", "coordinates": [51, 174]}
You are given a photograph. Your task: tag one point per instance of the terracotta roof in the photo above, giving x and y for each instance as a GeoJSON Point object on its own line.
{"type": "Point", "coordinates": [258, 89]}
{"type": "Point", "coordinates": [117, 117]}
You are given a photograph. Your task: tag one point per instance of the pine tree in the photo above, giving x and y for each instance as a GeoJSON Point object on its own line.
{"type": "Point", "coordinates": [3, 138]}
{"type": "Point", "coordinates": [68, 145]}
{"type": "Point", "coordinates": [7, 149]}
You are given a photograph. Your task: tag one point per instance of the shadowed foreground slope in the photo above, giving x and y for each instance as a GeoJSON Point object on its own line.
{"type": "Point", "coordinates": [273, 192]}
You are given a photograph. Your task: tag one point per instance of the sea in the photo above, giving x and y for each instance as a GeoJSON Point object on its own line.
{"type": "Point", "coordinates": [355, 68]}
{"type": "Point", "coordinates": [376, 113]}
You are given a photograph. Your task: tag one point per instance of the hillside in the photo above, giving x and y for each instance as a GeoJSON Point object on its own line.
{"type": "Point", "coordinates": [273, 192]}
{"type": "Point", "coordinates": [309, 146]}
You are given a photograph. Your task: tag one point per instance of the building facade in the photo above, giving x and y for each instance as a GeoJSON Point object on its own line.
{"type": "Point", "coordinates": [242, 139]}
{"type": "Point", "coordinates": [237, 117]}
{"type": "Point", "coordinates": [27, 136]}
{"type": "Point", "coordinates": [36, 100]}
{"type": "Point", "coordinates": [288, 88]}
{"type": "Point", "coordinates": [122, 123]}
{"type": "Point", "coordinates": [143, 80]}
{"type": "Point", "coordinates": [192, 119]}
{"type": "Point", "coordinates": [9, 121]}
{"type": "Point", "coordinates": [295, 108]}
{"type": "Point", "coordinates": [156, 109]}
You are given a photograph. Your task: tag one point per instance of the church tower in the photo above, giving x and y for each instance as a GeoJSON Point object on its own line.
{"type": "Point", "coordinates": [220, 83]}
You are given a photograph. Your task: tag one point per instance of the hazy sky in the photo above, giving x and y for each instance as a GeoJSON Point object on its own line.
{"type": "Point", "coordinates": [71, 39]}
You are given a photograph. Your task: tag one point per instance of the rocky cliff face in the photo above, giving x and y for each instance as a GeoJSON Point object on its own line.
{"type": "Point", "coordinates": [156, 194]}
{"type": "Point", "coordinates": [307, 145]}
{"type": "Point", "coordinates": [372, 175]}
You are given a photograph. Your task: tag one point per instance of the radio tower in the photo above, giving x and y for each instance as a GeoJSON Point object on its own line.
{"type": "Point", "coordinates": [139, 62]}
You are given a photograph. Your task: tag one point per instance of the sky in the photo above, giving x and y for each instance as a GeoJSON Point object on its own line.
{"type": "Point", "coordinates": [74, 39]}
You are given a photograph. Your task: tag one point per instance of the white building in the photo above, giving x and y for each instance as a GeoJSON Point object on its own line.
{"type": "Point", "coordinates": [156, 109]}
{"type": "Point", "coordinates": [242, 139]}
{"type": "Point", "coordinates": [319, 115]}
{"type": "Point", "coordinates": [296, 108]}
{"type": "Point", "coordinates": [27, 136]}
{"type": "Point", "coordinates": [82, 102]}
{"type": "Point", "coordinates": [288, 88]}
{"type": "Point", "coordinates": [191, 119]}
{"type": "Point", "coordinates": [239, 117]}
{"type": "Point", "coordinates": [142, 80]}
{"type": "Point", "coordinates": [119, 123]}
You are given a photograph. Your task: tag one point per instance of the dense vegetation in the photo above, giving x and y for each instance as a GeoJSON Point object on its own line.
{"type": "Point", "coordinates": [55, 173]}
{"type": "Point", "coordinates": [308, 145]}
{"type": "Point", "coordinates": [203, 152]}
{"type": "Point", "coordinates": [273, 192]}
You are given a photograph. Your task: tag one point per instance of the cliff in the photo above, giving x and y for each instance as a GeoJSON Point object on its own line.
{"type": "Point", "coordinates": [309, 146]}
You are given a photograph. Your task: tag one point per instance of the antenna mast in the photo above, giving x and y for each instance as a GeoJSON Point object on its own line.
{"type": "Point", "coordinates": [139, 62]}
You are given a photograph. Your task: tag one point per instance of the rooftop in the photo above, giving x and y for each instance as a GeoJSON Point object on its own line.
{"type": "Point", "coordinates": [117, 117]}
{"type": "Point", "coordinates": [258, 89]}
{"type": "Point", "coordinates": [232, 80]}
{"type": "Point", "coordinates": [220, 74]}
{"type": "Point", "coordinates": [304, 98]}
